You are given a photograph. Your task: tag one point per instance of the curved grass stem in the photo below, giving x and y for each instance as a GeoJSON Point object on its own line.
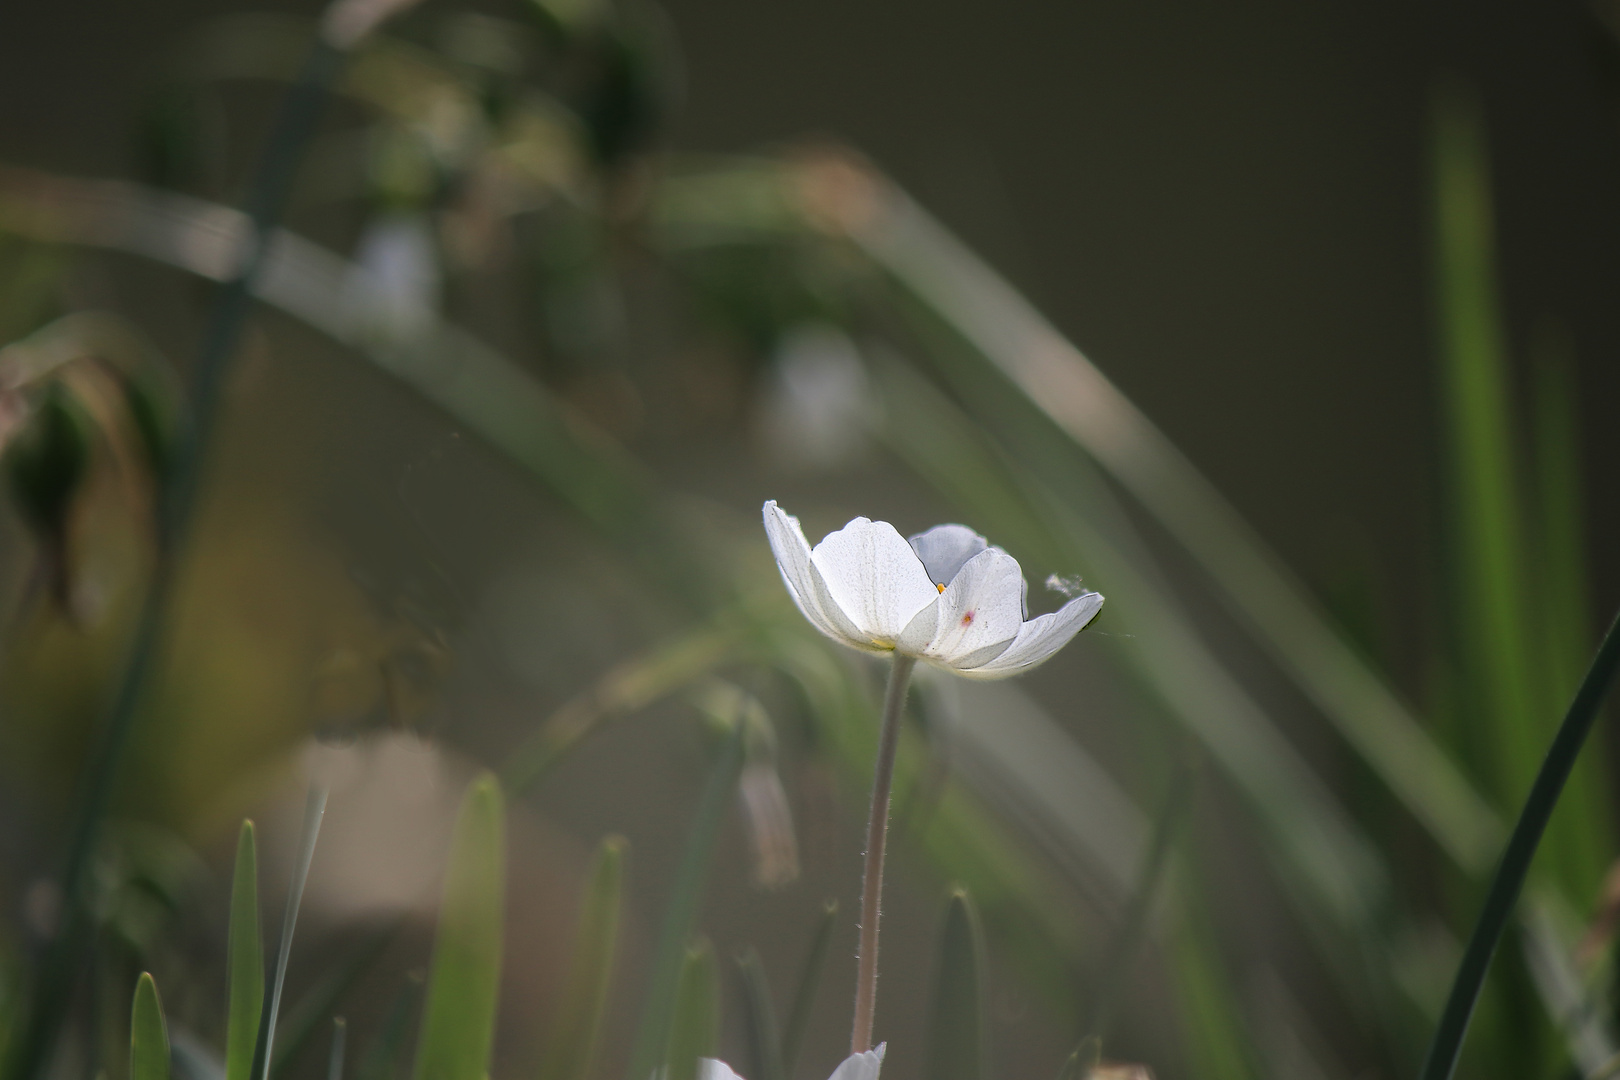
{"type": "Point", "coordinates": [1516, 859]}
{"type": "Point", "coordinates": [877, 832]}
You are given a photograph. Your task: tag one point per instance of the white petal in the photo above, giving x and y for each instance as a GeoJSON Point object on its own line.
{"type": "Point", "coordinates": [979, 614]}
{"type": "Point", "coordinates": [715, 1069]}
{"type": "Point", "coordinates": [804, 582]}
{"type": "Point", "coordinates": [875, 577]}
{"type": "Point", "coordinates": [862, 1066]}
{"type": "Point", "coordinates": [1039, 638]}
{"type": "Point", "coordinates": [945, 549]}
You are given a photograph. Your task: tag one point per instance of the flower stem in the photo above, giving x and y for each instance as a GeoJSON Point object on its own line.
{"type": "Point", "coordinates": [877, 833]}
{"type": "Point", "coordinates": [1515, 865]}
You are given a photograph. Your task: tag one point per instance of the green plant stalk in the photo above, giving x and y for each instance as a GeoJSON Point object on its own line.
{"type": "Point", "coordinates": [571, 1049]}
{"type": "Point", "coordinates": [1127, 942]}
{"type": "Point", "coordinates": [763, 1041]}
{"type": "Point", "coordinates": [877, 834]}
{"type": "Point", "coordinates": [804, 998]}
{"type": "Point", "coordinates": [1515, 865]}
{"type": "Point", "coordinates": [149, 1033]}
{"type": "Point", "coordinates": [957, 1048]}
{"type": "Point", "coordinates": [652, 1033]}
{"type": "Point", "coordinates": [244, 965]}
{"type": "Point", "coordinates": [53, 983]}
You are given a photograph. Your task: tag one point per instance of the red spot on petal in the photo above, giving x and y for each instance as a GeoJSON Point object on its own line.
{"type": "Point", "coordinates": [968, 618]}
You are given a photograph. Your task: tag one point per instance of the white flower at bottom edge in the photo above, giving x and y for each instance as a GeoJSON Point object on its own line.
{"type": "Point", "coordinates": [863, 1066]}
{"type": "Point", "coordinates": [946, 596]}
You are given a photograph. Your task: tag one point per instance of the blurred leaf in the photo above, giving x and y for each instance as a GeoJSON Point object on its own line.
{"type": "Point", "coordinates": [764, 1044]}
{"type": "Point", "coordinates": [458, 1024]}
{"type": "Point", "coordinates": [657, 1013]}
{"type": "Point", "coordinates": [244, 967]}
{"type": "Point", "coordinates": [804, 998]}
{"type": "Point", "coordinates": [1492, 611]}
{"type": "Point", "coordinates": [694, 1030]}
{"type": "Point", "coordinates": [148, 1034]}
{"type": "Point", "coordinates": [1217, 1045]}
{"type": "Point", "coordinates": [957, 1047]}
{"type": "Point", "coordinates": [570, 1051]}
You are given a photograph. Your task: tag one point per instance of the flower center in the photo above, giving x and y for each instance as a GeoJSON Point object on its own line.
{"type": "Point", "coordinates": [939, 586]}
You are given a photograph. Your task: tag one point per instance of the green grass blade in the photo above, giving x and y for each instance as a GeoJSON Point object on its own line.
{"type": "Point", "coordinates": [1515, 865]}
{"type": "Point", "coordinates": [957, 1047]}
{"type": "Point", "coordinates": [764, 1043]}
{"type": "Point", "coordinates": [1115, 970]}
{"type": "Point", "coordinates": [1566, 620]}
{"type": "Point", "coordinates": [1507, 691]}
{"type": "Point", "coordinates": [653, 1031]}
{"type": "Point", "coordinates": [570, 1052]}
{"type": "Point", "coordinates": [804, 998]}
{"type": "Point", "coordinates": [244, 962]}
{"type": "Point", "coordinates": [309, 1015]}
{"type": "Point", "coordinates": [148, 1034]}
{"type": "Point", "coordinates": [694, 1030]}
{"type": "Point", "coordinates": [382, 1059]}
{"type": "Point", "coordinates": [458, 1025]}
{"type": "Point", "coordinates": [314, 812]}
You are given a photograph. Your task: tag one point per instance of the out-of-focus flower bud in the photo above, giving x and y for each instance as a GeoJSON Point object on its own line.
{"type": "Point", "coordinates": [45, 462]}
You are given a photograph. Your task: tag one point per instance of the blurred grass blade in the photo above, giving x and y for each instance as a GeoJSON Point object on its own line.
{"type": "Point", "coordinates": [804, 998]}
{"type": "Point", "coordinates": [314, 811]}
{"type": "Point", "coordinates": [628, 688]}
{"type": "Point", "coordinates": [764, 1043]}
{"type": "Point", "coordinates": [309, 1016]}
{"type": "Point", "coordinates": [1561, 553]}
{"type": "Point", "coordinates": [570, 1051]}
{"type": "Point", "coordinates": [1114, 972]}
{"type": "Point", "coordinates": [957, 1047]}
{"type": "Point", "coordinates": [492, 395]}
{"type": "Point", "coordinates": [244, 964]}
{"type": "Point", "coordinates": [1498, 641]}
{"type": "Point", "coordinates": [1515, 864]}
{"type": "Point", "coordinates": [653, 1031]}
{"type": "Point", "coordinates": [694, 1030]}
{"type": "Point", "coordinates": [340, 1042]}
{"type": "Point", "coordinates": [458, 1025]}
{"type": "Point", "coordinates": [382, 1059]}
{"type": "Point", "coordinates": [148, 1034]}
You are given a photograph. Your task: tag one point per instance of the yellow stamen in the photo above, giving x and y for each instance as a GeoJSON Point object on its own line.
{"type": "Point", "coordinates": [938, 586]}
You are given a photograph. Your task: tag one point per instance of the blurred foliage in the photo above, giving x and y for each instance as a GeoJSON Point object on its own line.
{"type": "Point", "coordinates": [653, 344]}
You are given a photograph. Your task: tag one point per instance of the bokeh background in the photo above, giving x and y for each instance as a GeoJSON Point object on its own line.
{"type": "Point", "coordinates": [1233, 213]}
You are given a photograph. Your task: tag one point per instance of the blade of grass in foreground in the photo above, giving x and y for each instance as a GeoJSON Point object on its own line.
{"type": "Point", "coordinates": [458, 1023]}
{"type": "Point", "coordinates": [956, 1030]}
{"type": "Point", "coordinates": [694, 1030]}
{"type": "Point", "coordinates": [244, 961]}
{"type": "Point", "coordinates": [570, 1051]}
{"type": "Point", "coordinates": [763, 1042]}
{"type": "Point", "coordinates": [804, 999]}
{"type": "Point", "coordinates": [652, 1033]}
{"type": "Point", "coordinates": [1515, 865]}
{"type": "Point", "coordinates": [1497, 637]}
{"type": "Point", "coordinates": [148, 1034]}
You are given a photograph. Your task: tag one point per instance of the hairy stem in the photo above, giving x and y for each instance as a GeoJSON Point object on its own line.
{"type": "Point", "coordinates": [877, 833]}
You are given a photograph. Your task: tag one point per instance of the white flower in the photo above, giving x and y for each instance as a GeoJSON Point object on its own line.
{"type": "Point", "coordinates": [862, 1066]}
{"type": "Point", "coordinates": [946, 597]}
